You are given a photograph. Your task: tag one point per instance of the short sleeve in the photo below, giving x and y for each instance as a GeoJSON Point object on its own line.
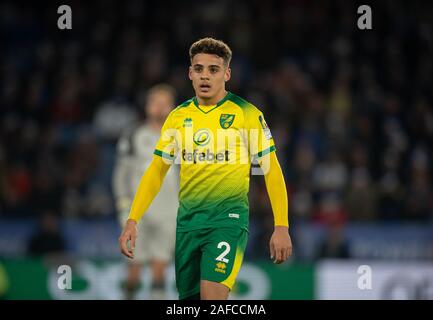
{"type": "Point", "coordinates": [166, 147]}
{"type": "Point", "coordinates": [261, 142]}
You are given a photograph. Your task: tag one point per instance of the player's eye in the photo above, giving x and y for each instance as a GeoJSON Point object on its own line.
{"type": "Point", "coordinates": [214, 69]}
{"type": "Point", "coordinates": [198, 68]}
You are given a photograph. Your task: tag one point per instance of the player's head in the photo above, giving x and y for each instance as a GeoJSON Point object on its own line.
{"type": "Point", "coordinates": [210, 67]}
{"type": "Point", "coordinates": [160, 100]}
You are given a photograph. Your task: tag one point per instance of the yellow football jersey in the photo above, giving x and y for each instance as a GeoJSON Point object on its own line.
{"type": "Point", "coordinates": [215, 147]}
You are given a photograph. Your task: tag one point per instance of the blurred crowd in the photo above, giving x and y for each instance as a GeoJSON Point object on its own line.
{"type": "Point", "coordinates": [350, 110]}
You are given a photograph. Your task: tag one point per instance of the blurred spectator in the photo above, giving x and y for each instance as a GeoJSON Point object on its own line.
{"type": "Point", "coordinates": [391, 190]}
{"type": "Point", "coordinates": [47, 239]}
{"type": "Point", "coordinates": [330, 176]}
{"type": "Point", "coordinates": [418, 204]}
{"type": "Point", "coordinates": [302, 202]}
{"type": "Point", "coordinates": [17, 190]}
{"type": "Point", "coordinates": [46, 194]}
{"type": "Point", "coordinates": [361, 197]}
{"type": "Point", "coordinates": [330, 210]}
{"type": "Point", "coordinates": [113, 118]}
{"type": "Point", "coordinates": [84, 195]}
{"type": "Point", "coordinates": [361, 194]}
{"type": "Point", "coordinates": [66, 107]}
{"type": "Point", "coordinates": [334, 244]}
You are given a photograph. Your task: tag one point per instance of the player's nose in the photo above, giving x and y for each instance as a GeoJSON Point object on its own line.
{"type": "Point", "coordinates": [205, 75]}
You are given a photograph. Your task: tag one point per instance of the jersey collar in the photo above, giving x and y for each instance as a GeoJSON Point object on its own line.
{"type": "Point", "coordinates": [227, 96]}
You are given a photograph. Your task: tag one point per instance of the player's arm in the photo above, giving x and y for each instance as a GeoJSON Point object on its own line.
{"type": "Point", "coordinates": [262, 149]}
{"type": "Point", "coordinates": [148, 188]}
{"type": "Point", "coordinates": [280, 244]}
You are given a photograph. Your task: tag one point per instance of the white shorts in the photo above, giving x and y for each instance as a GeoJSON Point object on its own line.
{"type": "Point", "coordinates": [156, 238]}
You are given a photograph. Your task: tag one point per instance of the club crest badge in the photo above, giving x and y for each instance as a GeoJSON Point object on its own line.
{"type": "Point", "coordinates": [226, 120]}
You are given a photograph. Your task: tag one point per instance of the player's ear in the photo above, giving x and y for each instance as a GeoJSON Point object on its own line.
{"type": "Point", "coordinates": [190, 73]}
{"type": "Point", "coordinates": [227, 74]}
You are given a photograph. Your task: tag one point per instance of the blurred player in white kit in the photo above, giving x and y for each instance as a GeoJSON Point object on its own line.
{"type": "Point", "coordinates": [157, 230]}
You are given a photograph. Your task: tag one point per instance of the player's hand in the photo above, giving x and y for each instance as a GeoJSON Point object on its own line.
{"type": "Point", "coordinates": [129, 234]}
{"type": "Point", "coordinates": [280, 244]}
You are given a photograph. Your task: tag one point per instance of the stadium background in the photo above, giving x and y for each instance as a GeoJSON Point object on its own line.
{"type": "Point", "coordinates": [350, 111]}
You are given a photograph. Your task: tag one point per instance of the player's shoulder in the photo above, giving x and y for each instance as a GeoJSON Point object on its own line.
{"type": "Point", "coordinates": [177, 111]}
{"type": "Point", "coordinates": [182, 106]}
{"type": "Point", "coordinates": [247, 107]}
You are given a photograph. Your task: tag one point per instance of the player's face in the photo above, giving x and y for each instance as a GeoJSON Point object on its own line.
{"type": "Point", "coordinates": [209, 75]}
{"type": "Point", "coordinates": [159, 105]}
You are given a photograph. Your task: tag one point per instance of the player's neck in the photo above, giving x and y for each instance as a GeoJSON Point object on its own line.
{"type": "Point", "coordinates": [212, 100]}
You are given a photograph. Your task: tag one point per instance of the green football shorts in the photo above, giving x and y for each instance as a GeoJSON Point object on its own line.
{"type": "Point", "coordinates": [213, 254]}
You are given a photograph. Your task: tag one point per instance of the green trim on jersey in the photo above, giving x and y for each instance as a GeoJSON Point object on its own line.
{"type": "Point", "coordinates": [183, 104]}
{"type": "Point", "coordinates": [239, 101]}
{"type": "Point", "coordinates": [264, 152]}
{"type": "Point", "coordinates": [163, 154]}
{"type": "Point", "coordinates": [217, 105]}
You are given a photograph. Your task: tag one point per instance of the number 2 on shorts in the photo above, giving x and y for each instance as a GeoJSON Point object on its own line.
{"type": "Point", "coordinates": [221, 257]}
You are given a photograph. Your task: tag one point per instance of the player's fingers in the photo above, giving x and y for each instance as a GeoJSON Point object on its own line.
{"type": "Point", "coordinates": [123, 245]}
{"type": "Point", "coordinates": [272, 249]}
{"type": "Point", "coordinates": [283, 254]}
{"type": "Point", "coordinates": [289, 252]}
{"type": "Point", "coordinates": [133, 238]}
{"type": "Point", "coordinates": [286, 254]}
{"type": "Point", "coordinates": [278, 255]}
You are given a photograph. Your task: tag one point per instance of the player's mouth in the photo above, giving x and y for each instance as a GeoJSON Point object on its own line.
{"type": "Point", "coordinates": [204, 87]}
